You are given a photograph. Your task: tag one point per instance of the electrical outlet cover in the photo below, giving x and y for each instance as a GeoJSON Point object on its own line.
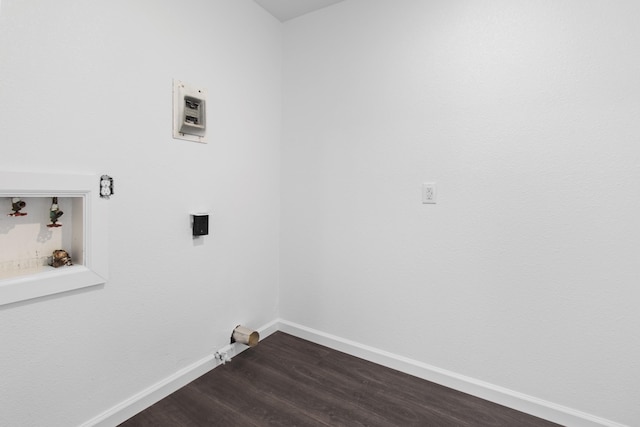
{"type": "Point", "coordinates": [429, 193]}
{"type": "Point", "coordinates": [189, 112]}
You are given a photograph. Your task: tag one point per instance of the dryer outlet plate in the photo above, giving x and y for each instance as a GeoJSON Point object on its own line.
{"type": "Point", "coordinates": [189, 112]}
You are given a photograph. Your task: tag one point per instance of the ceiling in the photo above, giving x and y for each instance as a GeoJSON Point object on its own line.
{"type": "Point", "coordinates": [289, 9]}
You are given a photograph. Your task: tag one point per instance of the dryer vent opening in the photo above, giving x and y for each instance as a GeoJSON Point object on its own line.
{"type": "Point", "coordinates": [245, 336]}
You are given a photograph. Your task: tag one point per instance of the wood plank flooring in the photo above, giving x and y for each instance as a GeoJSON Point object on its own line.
{"type": "Point", "coordinates": [287, 381]}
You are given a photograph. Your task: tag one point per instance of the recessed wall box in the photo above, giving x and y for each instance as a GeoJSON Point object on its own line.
{"type": "Point", "coordinates": [26, 242]}
{"type": "Point", "coordinates": [189, 112]}
{"type": "Point", "coordinates": [200, 224]}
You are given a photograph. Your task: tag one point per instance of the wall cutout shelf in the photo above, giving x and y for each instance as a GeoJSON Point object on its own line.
{"type": "Point", "coordinates": [26, 242]}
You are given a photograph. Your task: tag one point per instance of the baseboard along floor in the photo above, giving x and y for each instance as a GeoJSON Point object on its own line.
{"type": "Point", "coordinates": [288, 381]}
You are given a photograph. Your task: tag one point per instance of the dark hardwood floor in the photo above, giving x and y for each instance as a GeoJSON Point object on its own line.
{"type": "Point", "coordinates": [286, 381]}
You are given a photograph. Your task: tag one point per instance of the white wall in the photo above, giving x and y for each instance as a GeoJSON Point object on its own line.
{"type": "Point", "coordinates": [524, 113]}
{"type": "Point", "coordinates": [86, 87]}
{"type": "Point", "coordinates": [525, 272]}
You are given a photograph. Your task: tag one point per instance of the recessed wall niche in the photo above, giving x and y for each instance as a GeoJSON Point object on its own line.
{"type": "Point", "coordinates": [27, 241]}
{"type": "Point", "coordinates": [29, 237]}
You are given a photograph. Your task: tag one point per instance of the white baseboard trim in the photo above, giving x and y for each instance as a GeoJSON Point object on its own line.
{"type": "Point", "coordinates": [158, 391]}
{"type": "Point", "coordinates": [493, 393]}
{"type": "Point", "coordinates": [500, 395]}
